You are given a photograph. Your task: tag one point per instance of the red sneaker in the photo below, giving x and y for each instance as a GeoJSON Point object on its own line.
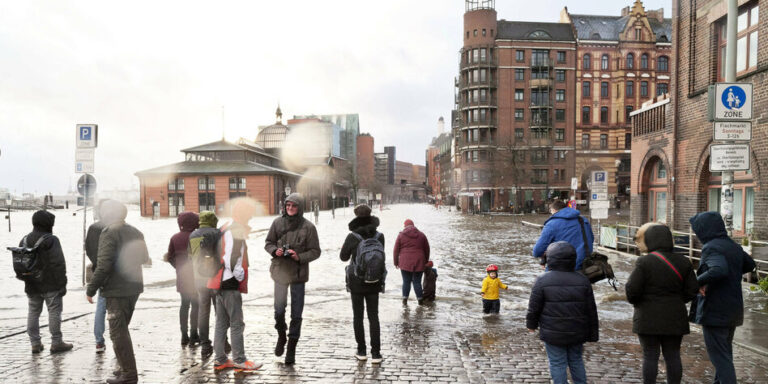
{"type": "Point", "coordinates": [247, 366]}
{"type": "Point", "coordinates": [222, 366]}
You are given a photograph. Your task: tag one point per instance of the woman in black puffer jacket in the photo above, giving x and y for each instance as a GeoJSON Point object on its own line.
{"type": "Point", "coordinates": [658, 288]}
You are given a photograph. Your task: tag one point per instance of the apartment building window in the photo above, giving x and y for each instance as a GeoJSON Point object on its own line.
{"type": "Point", "coordinates": [519, 94]}
{"type": "Point", "coordinates": [630, 61]}
{"type": "Point", "coordinates": [662, 88]}
{"type": "Point", "coordinates": [561, 56]}
{"type": "Point", "coordinates": [604, 62]}
{"type": "Point", "coordinates": [586, 87]}
{"type": "Point", "coordinates": [560, 76]}
{"type": "Point", "coordinates": [539, 74]}
{"type": "Point", "coordinates": [560, 114]}
{"type": "Point", "coordinates": [603, 141]}
{"type": "Point", "coordinates": [175, 196]}
{"type": "Point", "coordinates": [483, 31]}
{"type": "Point", "coordinates": [628, 109]}
{"type": "Point", "coordinates": [519, 114]}
{"type": "Point", "coordinates": [483, 74]}
{"type": "Point", "coordinates": [644, 61]}
{"type": "Point", "coordinates": [586, 61]}
{"type": "Point", "coordinates": [630, 88]}
{"type": "Point", "coordinates": [662, 64]}
{"type": "Point", "coordinates": [638, 34]}
{"type": "Point", "coordinates": [483, 95]}
{"type": "Point", "coordinates": [746, 40]}
{"type": "Point", "coordinates": [539, 156]}
{"type": "Point", "coordinates": [474, 156]}
{"type": "Point", "coordinates": [519, 133]}
{"type": "Point", "coordinates": [556, 174]}
{"type": "Point", "coordinates": [175, 185]}
{"type": "Point", "coordinates": [560, 156]}
{"type": "Point", "coordinates": [483, 115]}
{"type": "Point", "coordinates": [474, 32]}
{"type": "Point", "coordinates": [585, 140]}
{"type": "Point", "coordinates": [519, 74]}
{"type": "Point", "coordinates": [540, 56]}
{"type": "Point", "coordinates": [475, 175]}
{"type": "Point", "coordinates": [560, 95]}
{"type": "Point", "coordinates": [206, 187]}
{"type": "Point", "coordinates": [236, 187]}
{"type": "Point", "coordinates": [627, 141]}
{"type": "Point", "coordinates": [586, 117]}
{"type": "Point", "coordinates": [604, 90]}
{"type": "Point", "coordinates": [539, 176]}
{"type": "Point", "coordinates": [644, 89]}
{"type": "Point", "coordinates": [519, 55]}
{"type": "Point", "coordinates": [483, 51]}
{"type": "Point", "coordinates": [603, 115]}
{"type": "Point", "coordinates": [560, 134]}
{"type": "Point", "coordinates": [520, 157]}
{"type": "Point", "coordinates": [475, 76]}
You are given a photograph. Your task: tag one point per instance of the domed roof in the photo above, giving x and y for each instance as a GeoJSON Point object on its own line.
{"type": "Point", "coordinates": [273, 136]}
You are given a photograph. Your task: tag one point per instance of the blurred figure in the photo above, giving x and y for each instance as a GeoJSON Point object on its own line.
{"type": "Point", "coordinates": [206, 297]}
{"type": "Point", "coordinates": [178, 257]}
{"type": "Point", "coordinates": [411, 254]}
{"type": "Point", "coordinates": [118, 274]}
{"type": "Point", "coordinates": [92, 251]}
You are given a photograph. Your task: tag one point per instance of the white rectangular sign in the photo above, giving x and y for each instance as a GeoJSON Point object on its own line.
{"type": "Point", "coordinates": [599, 204]}
{"type": "Point", "coordinates": [581, 202]}
{"type": "Point", "coordinates": [733, 101]}
{"type": "Point", "coordinates": [599, 196]}
{"type": "Point", "coordinates": [87, 135]}
{"type": "Point", "coordinates": [85, 154]}
{"type": "Point", "coordinates": [599, 189]}
{"type": "Point", "coordinates": [733, 130]}
{"type": "Point", "coordinates": [85, 166]}
{"type": "Point", "coordinates": [574, 183]}
{"type": "Point", "coordinates": [729, 157]}
{"type": "Point", "coordinates": [599, 213]}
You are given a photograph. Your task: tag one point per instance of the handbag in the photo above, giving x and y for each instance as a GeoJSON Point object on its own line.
{"type": "Point", "coordinates": [595, 266]}
{"type": "Point", "coordinates": [693, 310]}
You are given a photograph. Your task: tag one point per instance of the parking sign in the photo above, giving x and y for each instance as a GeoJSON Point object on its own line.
{"type": "Point", "coordinates": [87, 135]}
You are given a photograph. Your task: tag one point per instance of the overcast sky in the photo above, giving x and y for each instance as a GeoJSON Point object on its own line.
{"type": "Point", "coordinates": [155, 74]}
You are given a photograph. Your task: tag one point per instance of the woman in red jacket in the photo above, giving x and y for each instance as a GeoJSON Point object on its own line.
{"type": "Point", "coordinates": [411, 255]}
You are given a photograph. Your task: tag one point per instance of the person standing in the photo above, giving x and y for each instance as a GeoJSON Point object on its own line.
{"type": "Point", "coordinates": [411, 255]}
{"type": "Point", "coordinates": [566, 224]}
{"type": "Point", "coordinates": [92, 251]}
{"type": "Point", "coordinates": [659, 286]}
{"type": "Point", "coordinates": [50, 285]}
{"type": "Point", "coordinates": [206, 297]}
{"type": "Point", "coordinates": [178, 257]}
{"type": "Point", "coordinates": [118, 274]}
{"type": "Point", "coordinates": [293, 243]}
{"type": "Point", "coordinates": [316, 210]}
{"type": "Point", "coordinates": [720, 304]}
{"type": "Point", "coordinates": [364, 295]}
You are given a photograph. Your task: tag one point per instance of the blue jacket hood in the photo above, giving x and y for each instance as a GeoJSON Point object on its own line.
{"type": "Point", "coordinates": [561, 256]}
{"type": "Point", "coordinates": [565, 213]}
{"type": "Point", "coordinates": [708, 226]}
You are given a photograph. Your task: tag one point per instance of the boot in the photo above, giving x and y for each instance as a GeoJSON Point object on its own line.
{"type": "Point", "coordinates": [290, 356]}
{"type": "Point", "coordinates": [184, 339]}
{"type": "Point", "coordinates": [60, 347]}
{"type": "Point", "coordinates": [131, 379]}
{"type": "Point", "coordinates": [194, 339]}
{"type": "Point", "coordinates": [280, 346]}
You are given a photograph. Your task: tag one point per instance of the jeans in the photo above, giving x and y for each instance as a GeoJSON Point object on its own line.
{"type": "Point", "coordinates": [561, 358]}
{"type": "Point", "coordinates": [670, 346]}
{"type": "Point", "coordinates": [412, 278]}
{"type": "Point", "coordinates": [99, 318]}
{"type": "Point", "coordinates": [205, 298]}
{"type": "Point", "coordinates": [119, 313]}
{"type": "Point", "coordinates": [229, 314]}
{"type": "Point", "coordinates": [54, 302]}
{"type": "Point", "coordinates": [187, 315]}
{"type": "Point", "coordinates": [297, 307]}
{"type": "Point", "coordinates": [371, 302]}
{"type": "Point", "coordinates": [491, 306]}
{"type": "Point", "coordinates": [719, 341]}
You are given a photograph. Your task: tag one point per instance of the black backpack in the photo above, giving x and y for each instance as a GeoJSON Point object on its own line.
{"type": "Point", "coordinates": [369, 264]}
{"type": "Point", "coordinates": [26, 261]}
{"type": "Point", "coordinates": [595, 266]}
{"type": "Point", "coordinates": [210, 258]}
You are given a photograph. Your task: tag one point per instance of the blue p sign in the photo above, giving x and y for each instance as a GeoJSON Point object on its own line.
{"type": "Point", "coordinates": [85, 133]}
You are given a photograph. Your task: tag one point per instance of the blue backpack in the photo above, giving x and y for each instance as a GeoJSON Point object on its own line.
{"type": "Point", "coordinates": [369, 264]}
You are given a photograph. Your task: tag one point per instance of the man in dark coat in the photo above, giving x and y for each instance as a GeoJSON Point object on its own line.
{"type": "Point", "coordinates": [564, 225]}
{"type": "Point", "coordinates": [293, 243]}
{"type": "Point", "coordinates": [122, 251]}
{"type": "Point", "coordinates": [178, 257]}
{"type": "Point", "coordinates": [364, 295]}
{"type": "Point", "coordinates": [52, 287]}
{"type": "Point", "coordinates": [92, 251]}
{"type": "Point", "coordinates": [659, 286]}
{"type": "Point", "coordinates": [720, 305]}
{"type": "Point", "coordinates": [562, 305]}
{"type": "Point", "coordinates": [411, 254]}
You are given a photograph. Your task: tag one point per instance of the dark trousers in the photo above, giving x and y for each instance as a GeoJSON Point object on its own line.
{"type": "Point", "coordinates": [719, 341]}
{"type": "Point", "coordinates": [371, 302]}
{"type": "Point", "coordinates": [188, 315]}
{"type": "Point", "coordinates": [670, 347]}
{"type": "Point", "coordinates": [297, 307]}
{"type": "Point", "coordinates": [206, 298]}
{"type": "Point", "coordinates": [491, 306]}
{"type": "Point", "coordinates": [119, 313]}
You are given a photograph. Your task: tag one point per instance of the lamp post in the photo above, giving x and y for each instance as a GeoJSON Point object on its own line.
{"type": "Point", "coordinates": [333, 204]}
{"type": "Point", "coordinates": [8, 203]}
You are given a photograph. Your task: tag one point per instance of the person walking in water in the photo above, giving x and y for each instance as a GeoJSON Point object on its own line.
{"type": "Point", "coordinates": [411, 255]}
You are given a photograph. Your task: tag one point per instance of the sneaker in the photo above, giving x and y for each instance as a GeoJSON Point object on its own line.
{"type": "Point", "coordinates": [184, 340]}
{"type": "Point", "coordinates": [360, 356]}
{"type": "Point", "coordinates": [100, 347]}
{"type": "Point", "coordinates": [194, 340]}
{"type": "Point", "coordinates": [247, 366]}
{"type": "Point", "coordinates": [222, 366]}
{"type": "Point", "coordinates": [38, 348]}
{"type": "Point", "coordinates": [376, 358]}
{"type": "Point", "coordinates": [206, 351]}
{"type": "Point", "coordinates": [61, 347]}
{"type": "Point", "coordinates": [405, 301]}
{"type": "Point", "coordinates": [421, 301]}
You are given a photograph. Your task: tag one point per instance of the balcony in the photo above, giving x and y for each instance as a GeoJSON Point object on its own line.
{"type": "Point", "coordinates": [541, 62]}
{"type": "Point", "coordinates": [546, 103]}
{"type": "Point", "coordinates": [540, 123]}
{"type": "Point", "coordinates": [541, 142]}
{"type": "Point", "coordinates": [542, 83]}
{"type": "Point", "coordinates": [466, 144]}
{"type": "Point", "coordinates": [482, 123]}
{"type": "Point", "coordinates": [486, 83]}
{"type": "Point", "coordinates": [489, 102]}
{"type": "Point", "coordinates": [488, 62]}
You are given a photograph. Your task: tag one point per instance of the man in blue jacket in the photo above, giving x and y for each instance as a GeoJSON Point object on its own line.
{"type": "Point", "coordinates": [720, 306]}
{"type": "Point", "coordinates": [564, 225]}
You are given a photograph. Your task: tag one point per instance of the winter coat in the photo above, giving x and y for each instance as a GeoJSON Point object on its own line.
{"type": "Point", "coordinates": [411, 251]}
{"type": "Point", "coordinates": [562, 303]}
{"type": "Point", "coordinates": [655, 290]}
{"type": "Point", "coordinates": [491, 287]}
{"type": "Point", "coordinates": [50, 255]}
{"type": "Point", "coordinates": [234, 259]}
{"type": "Point", "coordinates": [564, 226]}
{"type": "Point", "coordinates": [365, 226]}
{"type": "Point", "coordinates": [207, 224]}
{"type": "Point", "coordinates": [298, 234]}
{"type": "Point", "coordinates": [122, 251]}
{"type": "Point", "coordinates": [178, 256]}
{"type": "Point", "coordinates": [723, 262]}
{"type": "Point", "coordinates": [92, 242]}
{"type": "Point", "coordinates": [429, 284]}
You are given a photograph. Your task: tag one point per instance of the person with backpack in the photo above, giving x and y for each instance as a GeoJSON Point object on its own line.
{"type": "Point", "coordinates": [565, 224]}
{"type": "Point", "coordinates": [204, 245]}
{"type": "Point", "coordinates": [178, 257]}
{"type": "Point", "coordinates": [411, 254]}
{"type": "Point", "coordinates": [39, 262]}
{"type": "Point", "coordinates": [293, 243]}
{"type": "Point", "coordinates": [366, 275]}
{"type": "Point", "coordinates": [659, 286]}
{"type": "Point", "coordinates": [119, 276]}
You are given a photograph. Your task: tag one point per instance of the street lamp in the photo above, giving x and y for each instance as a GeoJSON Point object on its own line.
{"type": "Point", "coordinates": [8, 203]}
{"type": "Point", "coordinates": [333, 204]}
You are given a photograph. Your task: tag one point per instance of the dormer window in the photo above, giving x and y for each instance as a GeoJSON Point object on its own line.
{"type": "Point", "coordinates": [539, 35]}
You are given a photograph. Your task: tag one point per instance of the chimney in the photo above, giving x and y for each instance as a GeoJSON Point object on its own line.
{"type": "Point", "coordinates": [440, 126]}
{"type": "Point", "coordinates": [657, 14]}
{"type": "Point", "coordinates": [625, 11]}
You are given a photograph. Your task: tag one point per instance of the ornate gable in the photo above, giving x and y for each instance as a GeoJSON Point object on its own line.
{"type": "Point", "coordinates": [638, 28]}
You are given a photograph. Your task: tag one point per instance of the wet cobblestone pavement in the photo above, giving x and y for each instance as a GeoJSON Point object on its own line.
{"type": "Point", "coordinates": [450, 341]}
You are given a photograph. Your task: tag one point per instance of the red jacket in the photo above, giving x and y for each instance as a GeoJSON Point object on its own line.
{"type": "Point", "coordinates": [411, 250]}
{"type": "Point", "coordinates": [215, 282]}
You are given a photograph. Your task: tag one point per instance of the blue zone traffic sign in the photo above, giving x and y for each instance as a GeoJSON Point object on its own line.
{"type": "Point", "coordinates": [733, 98]}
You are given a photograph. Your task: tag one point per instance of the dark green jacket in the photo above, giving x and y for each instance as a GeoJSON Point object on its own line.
{"type": "Point", "coordinates": [122, 251]}
{"type": "Point", "coordinates": [303, 240]}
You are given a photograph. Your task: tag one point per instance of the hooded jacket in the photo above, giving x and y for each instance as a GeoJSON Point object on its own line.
{"type": "Point", "coordinates": [365, 226]}
{"type": "Point", "coordinates": [411, 251]}
{"type": "Point", "coordinates": [122, 251]}
{"type": "Point", "coordinates": [564, 226]}
{"type": "Point", "coordinates": [50, 255]}
{"type": "Point", "coordinates": [178, 256]}
{"type": "Point", "coordinates": [94, 232]}
{"type": "Point", "coordinates": [207, 224]}
{"type": "Point", "coordinates": [723, 262]}
{"type": "Point", "coordinates": [562, 303]}
{"type": "Point", "coordinates": [298, 234]}
{"type": "Point", "coordinates": [655, 290]}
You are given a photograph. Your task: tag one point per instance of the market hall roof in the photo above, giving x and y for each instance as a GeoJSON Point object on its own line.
{"type": "Point", "coordinates": [523, 30]}
{"type": "Point", "coordinates": [214, 168]}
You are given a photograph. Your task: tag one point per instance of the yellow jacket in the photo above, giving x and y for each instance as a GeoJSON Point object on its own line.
{"type": "Point", "coordinates": [491, 288]}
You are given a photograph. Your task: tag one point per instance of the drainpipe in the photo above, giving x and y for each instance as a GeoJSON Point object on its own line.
{"type": "Point", "coordinates": [675, 120]}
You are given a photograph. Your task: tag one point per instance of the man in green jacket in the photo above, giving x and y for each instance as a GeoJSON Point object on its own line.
{"type": "Point", "coordinates": [206, 297]}
{"type": "Point", "coordinates": [118, 274]}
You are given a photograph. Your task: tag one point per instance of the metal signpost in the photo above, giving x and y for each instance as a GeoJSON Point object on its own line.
{"type": "Point", "coordinates": [598, 192]}
{"type": "Point", "coordinates": [86, 140]}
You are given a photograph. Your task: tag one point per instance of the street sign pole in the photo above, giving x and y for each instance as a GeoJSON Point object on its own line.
{"type": "Point", "coordinates": [726, 190]}
{"type": "Point", "coordinates": [85, 213]}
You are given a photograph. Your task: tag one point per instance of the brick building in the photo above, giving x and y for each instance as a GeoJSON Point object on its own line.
{"type": "Point", "coordinates": [623, 61]}
{"type": "Point", "coordinates": [670, 172]}
{"type": "Point", "coordinates": [440, 165]}
{"type": "Point", "coordinates": [516, 102]}
{"type": "Point", "coordinates": [365, 161]}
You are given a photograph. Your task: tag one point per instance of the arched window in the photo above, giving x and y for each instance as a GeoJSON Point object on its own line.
{"type": "Point", "coordinates": [604, 62]}
{"type": "Point", "coordinates": [644, 61]}
{"type": "Point", "coordinates": [630, 61]}
{"type": "Point", "coordinates": [587, 61]}
{"type": "Point", "coordinates": [663, 64]}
